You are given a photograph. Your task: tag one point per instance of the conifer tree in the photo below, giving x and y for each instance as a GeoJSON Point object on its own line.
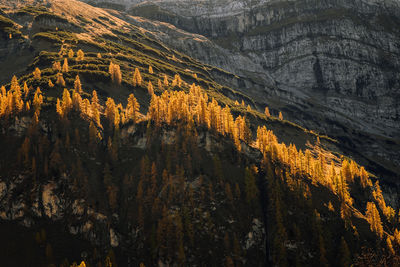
{"type": "Point", "coordinates": [95, 108]}
{"type": "Point", "coordinates": [150, 70]}
{"type": "Point", "coordinates": [137, 78]}
{"type": "Point", "coordinates": [65, 67]}
{"type": "Point", "coordinates": [177, 81]}
{"type": "Point", "coordinates": [37, 74]}
{"type": "Point", "coordinates": [37, 100]}
{"type": "Point", "coordinates": [71, 53]}
{"type": "Point", "coordinates": [50, 84]}
{"type": "Point", "coordinates": [267, 112]}
{"type": "Point", "coordinates": [80, 55]}
{"type": "Point", "coordinates": [150, 88]}
{"type": "Point", "coordinates": [166, 83]}
{"type": "Point", "coordinates": [57, 66]}
{"type": "Point", "coordinates": [26, 90]}
{"type": "Point", "coordinates": [60, 80]}
{"type": "Point", "coordinates": [77, 84]}
{"type": "Point", "coordinates": [110, 111]}
{"type": "Point", "coordinates": [374, 219]}
{"type": "Point", "coordinates": [159, 84]}
{"type": "Point", "coordinates": [280, 115]}
{"type": "Point", "coordinates": [132, 108]}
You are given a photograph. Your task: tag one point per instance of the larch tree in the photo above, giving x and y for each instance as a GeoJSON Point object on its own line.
{"type": "Point", "coordinates": [280, 115]}
{"type": "Point", "coordinates": [132, 108]}
{"type": "Point", "coordinates": [95, 108]}
{"type": "Point", "coordinates": [57, 66]}
{"type": "Point", "coordinates": [37, 100]}
{"type": "Point", "coordinates": [374, 219]}
{"type": "Point", "coordinates": [50, 84]}
{"type": "Point", "coordinates": [37, 74]}
{"type": "Point", "coordinates": [177, 81]}
{"type": "Point", "coordinates": [26, 90]}
{"type": "Point", "coordinates": [150, 88]}
{"type": "Point", "coordinates": [110, 111]}
{"type": "Point", "coordinates": [60, 80]}
{"type": "Point", "coordinates": [115, 72]}
{"type": "Point", "coordinates": [266, 111]}
{"type": "Point", "coordinates": [166, 83]}
{"type": "Point", "coordinates": [65, 67]}
{"type": "Point", "coordinates": [137, 78]}
{"type": "Point", "coordinates": [159, 84]}
{"type": "Point", "coordinates": [78, 84]}
{"type": "Point", "coordinates": [80, 55]}
{"type": "Point", "coordinates": [151, 70]}
{"type": "Point", "coordinates": [71, 53]}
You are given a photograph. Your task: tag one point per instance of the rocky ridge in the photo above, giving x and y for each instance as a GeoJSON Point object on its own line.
{"type": "Point", "coordinates": [329, 65]}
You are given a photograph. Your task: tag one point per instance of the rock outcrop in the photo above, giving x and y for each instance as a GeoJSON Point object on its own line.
{"type": "Point", "coordinates": [328, 65]}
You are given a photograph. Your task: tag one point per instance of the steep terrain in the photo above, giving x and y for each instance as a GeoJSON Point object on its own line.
{"type": "Point", "coordinates": [329, 65]}
{"type": "Point", "coordinates": [121, 151]}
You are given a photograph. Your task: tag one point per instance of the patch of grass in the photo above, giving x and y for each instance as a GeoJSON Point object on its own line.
{"type": "Point", "coordinates": [57, 37]}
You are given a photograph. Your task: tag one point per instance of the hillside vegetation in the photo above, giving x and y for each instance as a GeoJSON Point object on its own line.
{"type": "Point", "coordinates": [126, 152]}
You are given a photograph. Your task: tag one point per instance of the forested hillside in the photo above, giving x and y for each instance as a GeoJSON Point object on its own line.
{"type": "Point", "coordinates": [118, 151]}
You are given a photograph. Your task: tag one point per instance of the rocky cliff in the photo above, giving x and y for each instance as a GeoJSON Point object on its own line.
{"type": "Point", "coordinates": [328, 65]}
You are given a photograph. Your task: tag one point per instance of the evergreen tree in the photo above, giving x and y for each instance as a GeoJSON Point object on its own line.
{"type": "Point", "coordinates": [80, 55]}
{"type": "Point", "coordinates": [150, 88]}
{"type": "Point", "coordinates": [267, 112]}
{"type": "Point", "coordinates": [77, 84]}
{"type": "Point", "coordinates": [65, 67]}
{"type": "Point", "coordinates": [37, 74]}
{"type": "Point", "coordinates": [71, 53]}
{"type": "Point", "coordinates": [137, 78]}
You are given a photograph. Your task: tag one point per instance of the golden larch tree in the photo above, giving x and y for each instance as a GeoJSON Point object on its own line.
{"type": "Point", "coordinates": [80, 55]}
{"type": "Point", "coordinates": [78, 84]}
{"type": "Point", "coordinates": [71, 53]}
{"type": "Point", "coordinates": [137, 78]}
{"type": "Point", "coordinates": [150, 88]}
{"type": "Point", "coordinates": [37, 74]}
{"type": "Point", "coordinates": [65, 67]}
{"type": "Point", "coordinates": [266, 111]}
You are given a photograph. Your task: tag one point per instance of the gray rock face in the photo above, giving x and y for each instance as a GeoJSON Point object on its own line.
{"type": "Point", "coordinates": [329, 65]}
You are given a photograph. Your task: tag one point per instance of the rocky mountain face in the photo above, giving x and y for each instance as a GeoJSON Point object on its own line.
{"type": "Point", "coordinates": [328, 65]}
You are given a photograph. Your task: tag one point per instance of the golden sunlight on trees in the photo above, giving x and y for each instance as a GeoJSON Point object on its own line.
{"type": "Point", "coordinates": [65, 67]}
{"type": "Point", "coordinates": [77, 84]}
{"type": "Point", "coordinates": [57, 66]}
{"type": "Point", "coordinates": [132, 109]}
{"type": "Point", "coordinates": [50, 84]}
{"type": "Point", "coordinates": [137, 78]}
{"type": "Point", "coordinates": [80, 55]}
{"type": "Point", "coordinates": [60, 80]}
{"type": "Point", "coordinates": [37, 74]}
{"type": "Point", "coordinates": [166, 83]}
{"type": "Point", "coordinates": [177, 81]}
{"type": "Point", "coordinates": [71, 53]}
{"type": "Point", "coordinates": [115, 72]}
{"type": "Point", "coordinates": [150, 88]}
{"type": "Point", "coordinates": [266, 112]}
{"type": "Point", "coordinates": [374, 219]}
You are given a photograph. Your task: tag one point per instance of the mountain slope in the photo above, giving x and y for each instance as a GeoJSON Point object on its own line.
{"type": "Point", "coordinates": [334, 61]}
{"type": "Point", "coordinates": [131, 152]}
